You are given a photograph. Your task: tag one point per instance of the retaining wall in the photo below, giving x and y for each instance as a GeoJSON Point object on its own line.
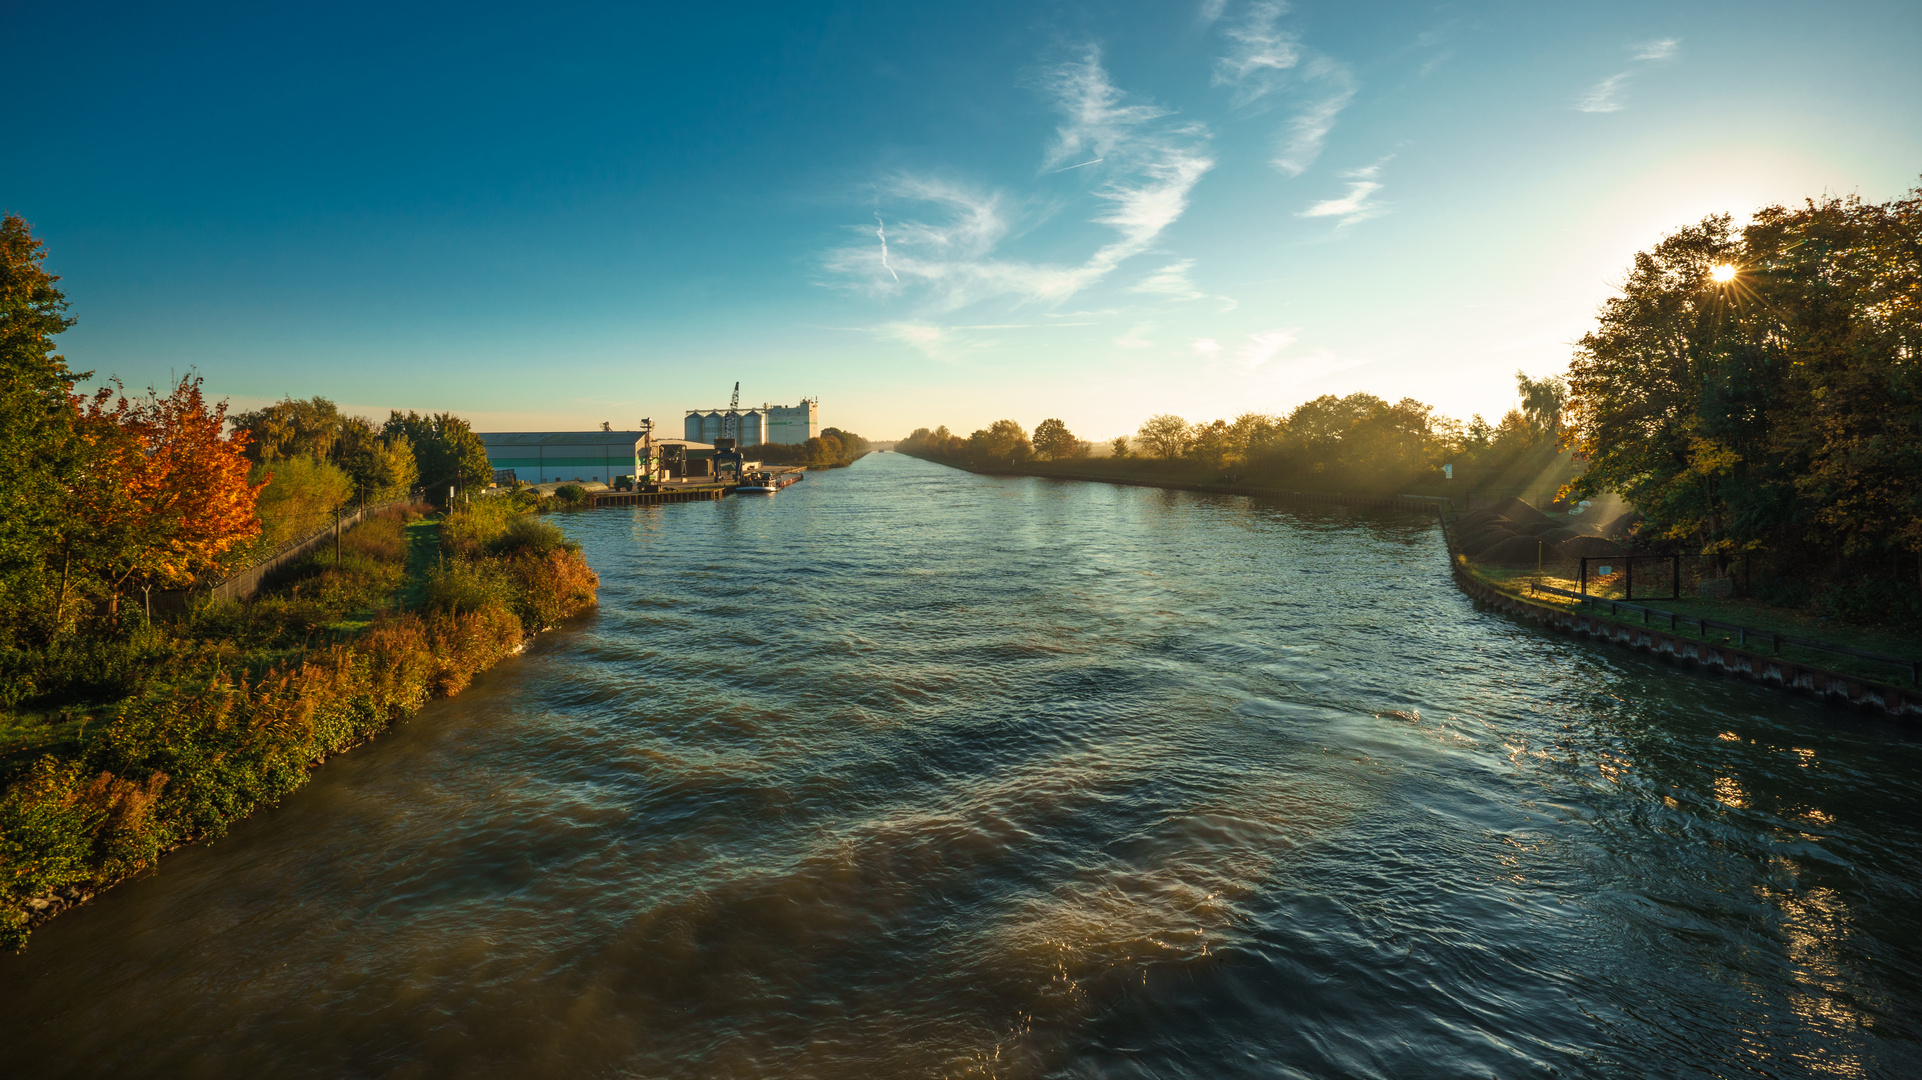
{"type": "Point", "coordinates": [1706, 655]}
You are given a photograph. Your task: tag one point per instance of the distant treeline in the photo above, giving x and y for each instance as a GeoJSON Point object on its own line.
{"type": "Point", "coordinates": [832, 447]}
{"type": "Point", "coordinates": [1358, 443]}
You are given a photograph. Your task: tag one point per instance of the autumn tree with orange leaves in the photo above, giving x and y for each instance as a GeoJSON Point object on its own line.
{"type": "Point", "coordinates": [160, 497]}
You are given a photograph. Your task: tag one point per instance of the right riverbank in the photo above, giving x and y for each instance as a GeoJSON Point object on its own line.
{"type": "Point", "coordinates": [1517, 594]}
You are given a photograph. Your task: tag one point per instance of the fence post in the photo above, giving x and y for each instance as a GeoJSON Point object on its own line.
{"type": "Point", "coordinates": [1675, 576]}
{"type": "Point", "coordinates": [1583, 586]}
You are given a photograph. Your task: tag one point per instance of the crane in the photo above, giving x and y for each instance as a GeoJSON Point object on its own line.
{"type": "Point", "coordinates": [731, 424]}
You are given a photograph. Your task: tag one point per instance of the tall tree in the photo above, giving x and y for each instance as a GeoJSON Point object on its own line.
{"type": "Point", "coordinates": [291, 427]}
{"type": "Point", "coordinates": [36, 417]}
{"type": "Point", "coordinates": [446, 450]}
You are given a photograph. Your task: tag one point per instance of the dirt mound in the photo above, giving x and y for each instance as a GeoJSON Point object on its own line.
{"type": "Point", "coordinates": [1540, 528]}
{"type": "Point", "coordinates": [1500, 525]}
{"type": "Point", "coordinates": [1588, 547]}
{"type": "Point", "coordinates": [1484, 540]}
{"type": "Point", "coordinates": [1516, 551]}
{"type": "Point", "coordinates": [1475, 519]}
{"type": "Point", "coordinates": [1557, 536]}
{"type": "Point", "coordinates": [1518, 512]}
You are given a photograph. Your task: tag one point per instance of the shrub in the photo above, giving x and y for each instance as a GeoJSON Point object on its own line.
{"type": "Point", "coordinates": [571, 494]}
{"type": "Point", "coordinates": [460, 586]}
{"type": "Point", "coordinates": [531, 534]}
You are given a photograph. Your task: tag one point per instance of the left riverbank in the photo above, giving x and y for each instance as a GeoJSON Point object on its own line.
{"type": "Point", "coordinates": [130, 748]}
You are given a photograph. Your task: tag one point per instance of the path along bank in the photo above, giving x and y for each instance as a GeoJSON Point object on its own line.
{"type": "Point", "coordinates": [1714, 656]}
{"type": "Point", "coordinates": [224, 711]}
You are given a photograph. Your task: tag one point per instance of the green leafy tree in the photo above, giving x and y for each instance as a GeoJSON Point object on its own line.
{"type": "Point", "coordinates": [290, 428]}
{"type": "Point", "coordinates": [1761, 390]}
{"type": "Point", "coordinates": [1119, 446]}
{"type": "Point", "coordinates": [301, 495]}
{"type": "Point", "coordinates": [36, 417]}
{"type": "Point", "coordinates": [446, 450]}
{"type": "Point", "coordinates": [381, 466]}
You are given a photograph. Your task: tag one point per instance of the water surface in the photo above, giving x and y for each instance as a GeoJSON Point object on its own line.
{"type": "Point", "coordinates": [905, 772]}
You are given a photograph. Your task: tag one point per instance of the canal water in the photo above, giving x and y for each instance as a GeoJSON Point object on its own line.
{"type": "Point", "coordinates": [905, 772]}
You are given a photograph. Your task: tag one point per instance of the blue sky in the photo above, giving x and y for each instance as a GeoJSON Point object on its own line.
{"type": "Point", "coordinates": [921, 214]}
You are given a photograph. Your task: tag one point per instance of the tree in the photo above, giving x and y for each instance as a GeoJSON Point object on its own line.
{"type": "Point", "coordinates": [36, 416]}
{"type": "Point", "coordinates": [1001, 441]}
{"type": "Point", "coordinates": [1761, 389]}
{"type": "Point", "coordinates": [301, 494]}
{"type": "Point", "coordinates": [289, 428]}
{"type": "Point", "coordinates": [163, 496]}
{"type": "Point", "coordinates": [1211, 444]}
{"type": "Point", "coordinates": [1120, 446]}
{"type": "Point", "coordinates": [1543, 401]}
{"type": "Point", "coordinates": [1166, 436]}
{"type": "Point", "coordinates": [446, 450]}
{"type": "Point", "coordinates": [1053, 440]}
{"type": "Point", "coordinates": [381, 466]}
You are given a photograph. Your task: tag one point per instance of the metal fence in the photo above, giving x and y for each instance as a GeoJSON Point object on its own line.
{"type": "Point", "coordinates": [243, 584]}
{"type": "Point", "coordinates": [1703, 625]}
{"type": "Point", "coordinates": [1679, 567]}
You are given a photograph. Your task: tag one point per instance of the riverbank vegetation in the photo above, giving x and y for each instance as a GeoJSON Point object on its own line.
{"type": "Point", "coordinates": [127, 731]}
{"type": "Point", "coordinates": [1359, 444]}
{"type": "Point", "coordinates": [830, 449]}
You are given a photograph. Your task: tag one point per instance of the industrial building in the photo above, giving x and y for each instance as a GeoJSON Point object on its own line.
{"type": "Point", "coordinates": [767, 424]}
{"type": "Point", "coordinates": [540, 457]}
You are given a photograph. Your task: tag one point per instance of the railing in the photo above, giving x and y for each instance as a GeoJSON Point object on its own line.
{"type": "Point", "coordinates": [1703, 624]}
{"type": "Point", "coordinates": [242, 584]}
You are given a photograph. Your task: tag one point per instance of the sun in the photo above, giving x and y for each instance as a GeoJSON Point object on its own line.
{"type": "Point", "coordinates": [1722, 273]}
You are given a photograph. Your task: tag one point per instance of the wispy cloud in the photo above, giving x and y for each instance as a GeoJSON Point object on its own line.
{"type": "Point", "coordinates": [1358, 204]}
{"type": "Point", "coordinates": [1137, 337]}
{"type": "Point", "coordinates": [1170, 280]}
{"type": "Point", "coordinates": [1264, 59]}
{"type": "Point", "coordinates": [1263, 347]}
{"type": "Point", "coordinates": [881, 230]}
{"type": "Point", "coordinates": [952, 259]}
{"type": "Point", "coordinates": [1606, 95]}
{"type": "Point", "coordinates": [1260, 53]}
{"type": "Point", "coordinates": [1602, 97]}
{"type": "Point", "coordinates": [1206, 346]}
{"type": "Point", "coordinates": [1308, 129]}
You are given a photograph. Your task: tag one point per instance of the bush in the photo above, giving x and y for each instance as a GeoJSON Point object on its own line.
{"type": "Point", "coordinates": [461, 587]}
{"type": "Point", "coordinates": [1873, 601]}
{"type": "Point", "coordinates": [571, 494]}
{"type": "Point", "coordinates": [531, 534]}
